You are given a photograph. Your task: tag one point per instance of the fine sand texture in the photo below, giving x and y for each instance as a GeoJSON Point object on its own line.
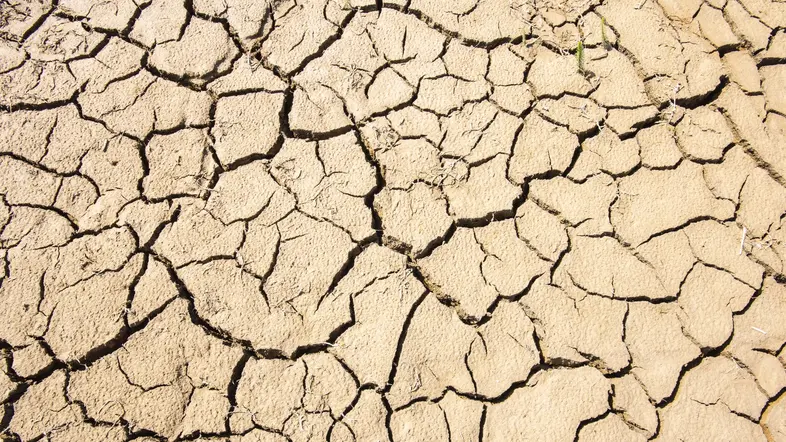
{"type": "Point", "coordinates": [392, 220]}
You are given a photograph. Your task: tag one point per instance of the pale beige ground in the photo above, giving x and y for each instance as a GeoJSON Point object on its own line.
{"type": "Point", "coordinates": [403, 220]}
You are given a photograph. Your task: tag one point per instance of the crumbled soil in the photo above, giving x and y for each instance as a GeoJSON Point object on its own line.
{"type": "Point", "coordinates": [392, 220]}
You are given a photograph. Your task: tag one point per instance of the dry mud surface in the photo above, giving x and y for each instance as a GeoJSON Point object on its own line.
{"type": "Point", "coordinates": [414, 220]}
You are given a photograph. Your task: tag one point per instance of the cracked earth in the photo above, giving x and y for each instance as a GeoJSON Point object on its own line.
{"type": "Point", "coordinates": [404, 220]}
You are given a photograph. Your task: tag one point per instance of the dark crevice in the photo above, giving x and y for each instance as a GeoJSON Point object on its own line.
{"type": "Point", "coordinates": [400, 344]}
{"type": "Point", "coordinates": [234, 381]}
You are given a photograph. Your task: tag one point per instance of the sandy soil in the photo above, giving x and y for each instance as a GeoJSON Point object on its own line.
{"type": "Point", "coordinates": [414, 220]}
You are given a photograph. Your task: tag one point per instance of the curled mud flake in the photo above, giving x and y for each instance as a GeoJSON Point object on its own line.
{"type": "Point", "coordinates": [190, 58]}
{"type": "Point", "coordinates": [743, 71]}
{"type": "Point", "coordinates": [552, 75]}
{"type": "Point", "coordinates": [704, 135]}
{"type": "Point", "coordinates": [368, 416]}
{"type": "Point", "coordinates": [117, 59]}
{"type": "Point", "coordinates": [603, 266]}
{"type": "Point", "coordinates": [651, 202]}
{"type": "Point", "coordinates": [143, 103]}
{"type": "Point", "coordinates": [658, 147]}
{"type": "Point", "coordinates": [37, 83]}
{"type": "Point", "coordinates": [707, 419]}
{"type": "Point", "coordinates": [773, 79]}
{"type": "Point", "coordinates": [446, 94]}
{"type": "Point", "coordinates": [610, 427]}
{"type": "Point", "coordinates": [570, 329]}
{"type": "Point", "coordinates": [32, 360]}
{"type": "Point", "coordinates": [583, 395]}
{"type": "Point", "coordinates": [757, 350]}
{"type": "Point", "coordinates": [246, 193]}
{"type": "Point", "coordinates": [468, 198]}
{"type": "Point", "coordinates": [606, 153]}
{"type": "Point", "coordinates": [708, 299]}
{"type": "Point", "coordinates": [101, 298]}
{"type": "Point", "coordinates": [619, 84]}
{"type": "Point", "coordinates": [112, 15]}
{"type": "Point", "coordinates": [581, 116]}
{"type": "Point", "coordinates": [58, 39]}
{"type": "Point", "coordinates": [179, 164]}
{"type": "Point", "coordinates": [484, 21]}
{"type": "Point", "coordinates": [583, 206]}
{"type": "Point", "coordinates": [330, 180]}
{"type": "Point", "coordinates": [317, 109]}
{"type": "Point", "coordinates": [773, 419]}
{"type": "Point", "coordinates": [423, 421]}
{"type": "Point", "coordinates": [247, 75]}
{"type": "Point", "coordinates": [541, 148]}
{"type": "Point", "coordinates": [18, 18]}
{"type": "Point", "coordinates": [196, 235]}
{"type": "Point", "coordinates": [632, 402]}
{"type": "Point", "coordinates": [414, 219]}
{"type": "Point", "coordinates": [44, 409]}
{"type": "Point", "coordinates": [659, 349]}
{"type": "Point", "coordinates": [495, 356]}
{"type": "Point", "coordinates": [160, 22]}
